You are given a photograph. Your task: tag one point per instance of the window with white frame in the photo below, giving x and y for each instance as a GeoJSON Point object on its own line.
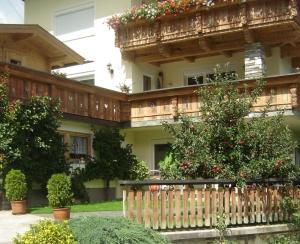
{"type": "Point", "coordinates": [73, 20]}
{"type": "Point", "coordinates": [193, 79]}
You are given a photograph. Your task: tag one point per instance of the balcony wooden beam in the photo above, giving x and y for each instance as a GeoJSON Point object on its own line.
{"type": "Point", "coordinates": [249, 35]}
{"type": "Point", "coordinates": [190, 59]}
{"type": "Point", "coordinates": [192, 52]}
{"type": "Point", "coordinates": [204, 43]}
{"type": "Point", "coordinates": [164, 50]}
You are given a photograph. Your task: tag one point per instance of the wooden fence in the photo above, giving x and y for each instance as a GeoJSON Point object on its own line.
{"type": "Point", "coordinates": [200, 206]}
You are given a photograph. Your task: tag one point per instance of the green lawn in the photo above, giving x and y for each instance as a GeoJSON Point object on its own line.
{"type": "Point", "coordinates": [89, 207]}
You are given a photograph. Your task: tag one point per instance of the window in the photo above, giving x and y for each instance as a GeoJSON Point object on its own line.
{"type": "Point", "coordinates": [230, 74]}
{"type": "Point", "coordinates": [88, 81]}
{"type": "Point", "coordinates": [160, 151]}
{"type": "Point", "coordinates": [195, 80]}
{"type": "Point", "coordinates": [78, 147]}
{"type": "Point", "coordinates": [74, 20]}
{"type": "Point", "coordinates": [16, 62]}
{"type": "Point", "coordinates": [147, 83]}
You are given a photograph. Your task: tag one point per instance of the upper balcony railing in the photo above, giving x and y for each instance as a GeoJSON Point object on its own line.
{"type": "Point", "coordinates": [203, 31]}
{"type": "Point", "coordinates": [77, 100]}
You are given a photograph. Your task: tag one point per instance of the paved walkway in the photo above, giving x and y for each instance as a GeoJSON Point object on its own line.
{"type": "Point", "coordinates": [10, 224]}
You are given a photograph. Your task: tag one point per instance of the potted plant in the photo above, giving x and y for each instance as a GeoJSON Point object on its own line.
{"type": "Point", "coordinates": [60, 195]}
{"type": "Point", "coordinates": [15, 190]}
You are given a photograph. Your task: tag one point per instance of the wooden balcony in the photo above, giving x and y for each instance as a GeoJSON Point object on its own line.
{"type": "Point", "coordinates": [79, 101]}
{"type": "Point", "coordinates": [222, 29]}
{"type": "Point", "coordinates": [151, 108]}
{"type": "Point", "coordinates": [102, 106]}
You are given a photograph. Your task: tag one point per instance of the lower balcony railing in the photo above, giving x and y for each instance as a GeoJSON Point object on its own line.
{"type": "Point", "coordinates": [77, 99]}
{"type": "Point", "coordinates": [141, 109]}
{"type": "Point", "coordinates": [167, 104]}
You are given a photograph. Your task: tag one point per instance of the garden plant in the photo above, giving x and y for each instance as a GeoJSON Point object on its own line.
{"type": "Point", "coordinates": [60, 195]}
{"type": "Point", "coordinates": [16, 191]}
{"type": "Point", "coordinates": [228, 143]}
{"type": "Point", "coordinates": [29, 139]}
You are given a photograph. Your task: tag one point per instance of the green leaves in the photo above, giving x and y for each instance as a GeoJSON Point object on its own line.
{"type": "Point", "coordinates": [112, 159]}
{"type": "Point", "coordinates": [227, 143]}
{"type": "Point", "coordinates": [59, 191]}
{"type": "Point", "coordinates": [15, 185]}
{"type": "Point", "coordinates": [29, 140]}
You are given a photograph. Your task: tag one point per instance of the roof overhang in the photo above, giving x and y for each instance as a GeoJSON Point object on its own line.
{"type": "Point", "coordinates": [57, 53]}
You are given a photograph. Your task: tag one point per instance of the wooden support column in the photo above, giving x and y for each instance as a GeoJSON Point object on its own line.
{"type": "Point", "coordinates": [174, 107]}
{"type": "Point", "coordinates": [91, 105]}
{"type": "Point", "coordinates": [294, 96]}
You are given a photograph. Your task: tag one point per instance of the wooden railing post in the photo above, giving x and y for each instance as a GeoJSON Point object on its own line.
{"type": "Point", "coordinates": [174, 106]}
{"type": "Point", "coordinates": [294, 96]}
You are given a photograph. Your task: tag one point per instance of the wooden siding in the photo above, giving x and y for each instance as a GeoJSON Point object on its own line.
{"type": "Point", "coordinates": [226, 27]}
{"type": "Point", "coordinates": [282, 91]}
{"type": "Point", "coordinates": [76, 98]}
{"type": "Point", "coordinates": [101, 104]}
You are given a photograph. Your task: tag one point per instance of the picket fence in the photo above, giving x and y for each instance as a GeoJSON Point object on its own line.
{"type": "Point", "coordinates": [201, 206]}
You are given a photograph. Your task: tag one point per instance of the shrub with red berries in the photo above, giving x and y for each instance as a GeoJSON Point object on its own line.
{"type": "Point", "coordinates": [229, 144]}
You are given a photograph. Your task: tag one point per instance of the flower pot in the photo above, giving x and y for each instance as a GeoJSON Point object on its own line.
{"type": "Point", "coordinates": [61, 213]}
{"type": "Point", "coordinates": [18, 207]}
{"type": "Point", "coordinates": [153, 188]}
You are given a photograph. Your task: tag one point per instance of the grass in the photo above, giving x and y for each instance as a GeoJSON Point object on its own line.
{"type": "Point", "coordinates": [88, 207]}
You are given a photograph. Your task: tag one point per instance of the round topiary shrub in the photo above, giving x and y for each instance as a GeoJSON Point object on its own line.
{"type": "Point", "coordinates": [47, 231]}
{"type": "Point", "coordinates": [96, 230]}
{"type": "Point", "coordinates": [15, 185]}
{"type": "Point", "coordinates": [59, 191]}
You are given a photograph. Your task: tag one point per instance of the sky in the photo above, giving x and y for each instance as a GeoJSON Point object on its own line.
{"type": "Point", "coordinates": [11, 12]}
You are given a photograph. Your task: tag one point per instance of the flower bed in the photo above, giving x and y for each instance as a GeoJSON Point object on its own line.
{"type": "Point", "coordinates": [155, 10]}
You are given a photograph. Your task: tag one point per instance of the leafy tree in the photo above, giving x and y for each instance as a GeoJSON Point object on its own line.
{"type": "Point", "coordinates": [29, 140]}
{"type": "Point", "coordinates": [229, 144]}
{"type": "Point", "coordinates": [112, 158]}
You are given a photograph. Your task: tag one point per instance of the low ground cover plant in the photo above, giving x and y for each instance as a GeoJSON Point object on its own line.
{"type": "Point", "coordinates": [90, 230]}
{"type": "Point", "coordinates": [95, 230]}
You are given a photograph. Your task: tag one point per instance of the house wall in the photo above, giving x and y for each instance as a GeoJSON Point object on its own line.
{"type": "Point", "coordinates": [94, 44]}
{"type": "Point", "coordinates": [30, 57]}
{"type": "Point", "coordinates": [97, 45]}
{"type": "Point", "coordinates": [143, 141]}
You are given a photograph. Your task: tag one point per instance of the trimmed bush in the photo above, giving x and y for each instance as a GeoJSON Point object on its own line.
{"type": "Point", "coordinates": [139, 171]}
{"type": "Point", "coordinates": [48, 232]}
{"type": "Point", "coordinates": [15, 185]}
{"type": "Point", "coordinates": [59, 191]}
{"type": "Point", "coordinates": [96, 230]}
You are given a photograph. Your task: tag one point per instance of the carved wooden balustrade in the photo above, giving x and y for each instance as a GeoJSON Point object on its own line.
{"type": "Point", "coordinates": [77, 100]}
{"type": "Point", "coordinates": [80, 101]}
{"type": "Point", "coordinates": [162, 105]}
{"type": "Point", "coordinates": [142, 41]}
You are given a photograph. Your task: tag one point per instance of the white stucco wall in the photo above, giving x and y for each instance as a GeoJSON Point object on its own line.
{"type": "Point", "coordinates": [143, 141]}
{"type": "Point", "coordinates": [98, 46]}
